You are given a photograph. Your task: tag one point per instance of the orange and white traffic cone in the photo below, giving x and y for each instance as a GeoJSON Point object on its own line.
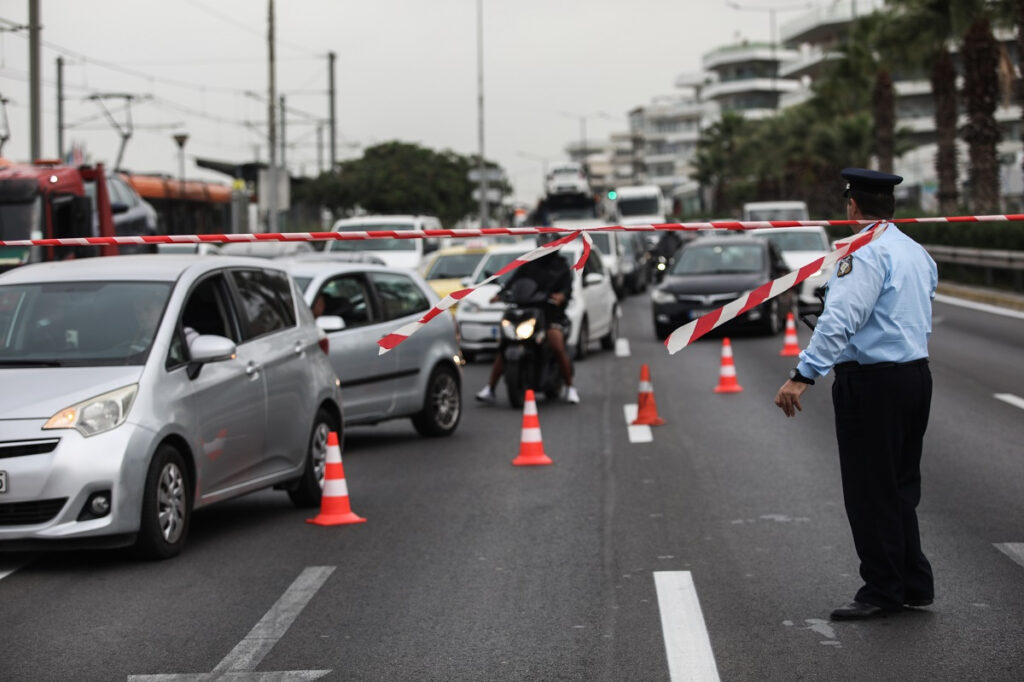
{"type": "Point", "coordinates": [646, 408]}
{"type": "Point", "coordinates": [531, 447]}
{"type": "Point", "coordinates": [791, 344]}
{"type": "Point", "coordinates": [727, 375]}
{"type": "Point", "coordinates": [334, 506]}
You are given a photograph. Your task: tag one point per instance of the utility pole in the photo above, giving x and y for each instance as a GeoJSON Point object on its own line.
{"type": "Point", "coordinates": [34, 80]}
{"type": "Point", "coordinates": [5, 127]}
{"type": "Point", "coordinates": [271, 127]}
{"type": "Point", "coordinates": [60, 108]}
{"type": "Point", "coordinates": [334, 121]}
{"type": "Point", "coordinates": [480, 108]}
{"type": "Point", "coordinates": [319, 148]}
{"type": "Point", "coordinates": [284, 147]}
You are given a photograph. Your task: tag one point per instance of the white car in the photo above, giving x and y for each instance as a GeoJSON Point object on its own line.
{"type": "Point", "coordinates": [566, 178]}
{"type": "Point", "coordinates": [402, 253]}
{"type": "Point", "coordinates": [609, 244]}
{"type": "Point", "coordinates": [593, 309]}
{"type": "Point", "coordinates": [799, 246]}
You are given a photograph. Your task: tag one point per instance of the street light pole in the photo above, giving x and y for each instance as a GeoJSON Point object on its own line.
{"type": "Point", "coordinates": [181, 139]}
{"type": "Point", "coordinates": [480, 108]}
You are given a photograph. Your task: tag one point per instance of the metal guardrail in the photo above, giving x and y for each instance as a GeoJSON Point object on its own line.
{"type": "Point", "coordinates": [984, 258]}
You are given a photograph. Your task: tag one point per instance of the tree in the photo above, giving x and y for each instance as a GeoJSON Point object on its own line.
{"type": "Point", "coordinates": [981, 90]}
{"type": "Point", "coordinates": [399, 177]}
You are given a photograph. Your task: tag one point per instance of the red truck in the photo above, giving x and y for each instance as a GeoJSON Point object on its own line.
{"type": "Point", "coordinates": [50, 201]}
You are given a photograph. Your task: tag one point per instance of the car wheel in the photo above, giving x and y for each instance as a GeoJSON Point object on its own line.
{"type": "Point", "coordinates": [442, 404]}
{"type": "Point", "coordinates": [662, 331]}
{"type": "Point", "coordinates": [583, 342]}
{"type": "Point", "coordinates": [166, 506]}
{"type": "Point", "coordinates": [608, 340]}
{"type": "Point", "coordinates": [308, 489]}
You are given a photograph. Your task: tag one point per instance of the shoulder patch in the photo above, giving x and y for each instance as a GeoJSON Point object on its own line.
{"type": "Point", "coordinates": [845, 266]}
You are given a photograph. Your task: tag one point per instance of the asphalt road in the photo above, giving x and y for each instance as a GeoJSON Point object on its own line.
{"type": "Point", "coordinates": [471, 569]}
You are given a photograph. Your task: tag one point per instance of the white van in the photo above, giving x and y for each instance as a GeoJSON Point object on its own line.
{"type": "Point", "coordinates": [401, 253]}
{"type": "Point", "coordinates": [639, 205]}
{"type": "Point", "coordinates": [775, 210]}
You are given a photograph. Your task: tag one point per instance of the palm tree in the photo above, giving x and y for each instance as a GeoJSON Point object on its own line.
{"type": "Point", "coordinates": [981, 90]}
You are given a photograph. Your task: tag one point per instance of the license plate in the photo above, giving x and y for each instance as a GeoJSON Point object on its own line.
{"type": "Point", "coordinates": [694, 314]}
{"type": "Point", "coordinates": [494, 332]}
{"type": "Point", "coordinates": [3, 481]}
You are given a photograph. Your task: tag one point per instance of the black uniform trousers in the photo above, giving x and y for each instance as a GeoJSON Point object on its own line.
{"type": "Point", "coordinates": [881, 416]}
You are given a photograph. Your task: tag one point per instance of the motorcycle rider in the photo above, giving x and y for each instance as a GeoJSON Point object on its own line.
{"type": "Point", "coordinates": [551, 274]}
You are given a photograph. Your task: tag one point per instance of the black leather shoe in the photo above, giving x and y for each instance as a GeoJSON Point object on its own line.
{"type": "Point", "coordinates": [918, 603]}
{"type": "Point", "coordinates": [858, 610]}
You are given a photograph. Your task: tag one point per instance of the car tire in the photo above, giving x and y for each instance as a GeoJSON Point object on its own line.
{"type": "Point", "coordinates": [662, 331]}
{"type": "Point", "coordinates": [308, 488]}
{"type": "Point", "coordinates": [609, 339]}
{"type": "Point", "coordinates": [166, 506]}
{"type": "Point", "coordinates": [583, 342]}
{"type": "Point", "coordinates": [442, 404]}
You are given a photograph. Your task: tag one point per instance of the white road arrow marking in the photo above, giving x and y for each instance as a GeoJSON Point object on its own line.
{"type": "Point", "coordinates": [241, 663]}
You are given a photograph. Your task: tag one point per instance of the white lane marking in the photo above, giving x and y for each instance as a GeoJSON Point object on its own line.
{"type": "Point", "coordinates": [622, 348]}
{"type": "Point", "coordinates": [639, 433]}
{"type": "Point", "coordinates": [1010, 398]}
{"type": "Point", "coordinates": [240, 663]}
{"type": "Point", "coordinates": [1014, 550]}
{"type": "Point", "coordinates": [687, 644]}
{"type": "Point", "coordinates": [9, 567]}
{"type": "Point", "coordinates": [984, 307]}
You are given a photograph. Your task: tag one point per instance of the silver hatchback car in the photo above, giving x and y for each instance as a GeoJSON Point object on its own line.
{"type": "Point", "coordinates": [356, 304]}
{"type": "Point", "coordinates": [136, 389]}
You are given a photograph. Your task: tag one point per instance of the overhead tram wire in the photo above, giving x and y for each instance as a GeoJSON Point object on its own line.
{"type": "Point", "coordinates": [253, 31]}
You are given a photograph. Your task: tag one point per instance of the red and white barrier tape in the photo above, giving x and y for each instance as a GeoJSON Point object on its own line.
{"type": "Point", "coordinates": [690, 332]}
{"type": "Point", "coordinates": [399, 335]}
{"type": "Point", "coordinates": [480, 232]}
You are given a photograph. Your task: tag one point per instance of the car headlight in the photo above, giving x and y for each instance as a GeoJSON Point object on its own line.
{"type": "Point", "coordinates": [96, 415]}
{"type": "Point", "coordinates": [661, 296]}
{"type": "Point", "coordinates": [469, 308]}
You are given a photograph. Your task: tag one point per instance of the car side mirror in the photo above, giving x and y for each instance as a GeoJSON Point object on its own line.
{"type": "Point", "coordinates": [593, 278]}
{"type": "Point", "coordinates": [116, 207]}
{"type": "Point", "coordinates": [209, 348]}
{"type": "Point", "coordinates": [330, 323]}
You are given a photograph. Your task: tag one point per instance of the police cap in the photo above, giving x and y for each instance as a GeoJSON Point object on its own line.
{"type": "Point", "coordinates": [869, 181]}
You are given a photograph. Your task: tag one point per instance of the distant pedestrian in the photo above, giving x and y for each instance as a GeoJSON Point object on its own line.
{"type": "Point", "coordinates": [874, 333]}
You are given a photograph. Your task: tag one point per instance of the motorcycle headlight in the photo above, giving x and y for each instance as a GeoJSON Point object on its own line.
{"type": "Point", "coordinates": [662, 266]}
{"type": "Point", "coordinates": [525, 329]}
{"type": "Point", "coordinates": [96, 415]}
{"type": "Point", "coordinates": [661, 296]}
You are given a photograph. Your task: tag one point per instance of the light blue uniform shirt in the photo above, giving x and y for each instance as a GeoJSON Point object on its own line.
{"type": "Point", "coordinates": [879, 311]}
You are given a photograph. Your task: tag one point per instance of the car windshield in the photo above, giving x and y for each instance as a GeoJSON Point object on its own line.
{"type": "Point", "coordinates": [795, 241]}
{"type": "Point", "coordinates": [495, 262]}
{"type": "Point", "coordinates": [639, 206]}
{"type": "Point", "coordinates": [454, 265]}
{"type": "Point", "coordinates": [79, 323]}
{"type": "Point", "coordinates": [18, 220]}
{"type": "Point", "coordinates": [388, 244]}
{"type": "Point", "coordinates": [715, 259]}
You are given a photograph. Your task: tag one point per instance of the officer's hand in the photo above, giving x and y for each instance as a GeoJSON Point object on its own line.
{"type": "Point", "coordinates": [558, 298]}
{"type": "Point", "coordinates": [788, 397]}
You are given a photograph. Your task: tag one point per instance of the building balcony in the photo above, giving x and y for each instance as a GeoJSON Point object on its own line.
{"type": "Point", "coordinates": [791, 99]}
{"type": "Point", "coordinates": [822, 25]}
{"type": "Point", "coordinates": [737, 87]}
{"type": "Point", "coordinates": [747, 52]}
{"type": "Point", "coordinates": [809, 63]}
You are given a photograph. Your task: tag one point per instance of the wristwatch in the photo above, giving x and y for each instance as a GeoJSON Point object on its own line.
{"type": "Point", "coordinates": [795, 375]}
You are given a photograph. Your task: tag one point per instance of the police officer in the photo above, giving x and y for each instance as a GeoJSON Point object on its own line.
{"type": "Point", "coordinates": [874, 333]}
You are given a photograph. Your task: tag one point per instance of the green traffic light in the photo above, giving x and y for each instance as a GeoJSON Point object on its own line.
{"type": "Point", "coordinates": [613, 195]}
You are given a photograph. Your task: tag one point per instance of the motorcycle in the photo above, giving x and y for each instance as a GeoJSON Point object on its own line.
{"type": "Point", "coordinates": [529, 362]}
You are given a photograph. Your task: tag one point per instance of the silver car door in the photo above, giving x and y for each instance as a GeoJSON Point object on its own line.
{"type": "Point", "coordinates": [404, 301]}
{"type": "Point", "coordinates": [366, 378]}
{"type": "Point", "coordinates": [271, 333]}
{"type": "Point", "coordinates": [228, 398]}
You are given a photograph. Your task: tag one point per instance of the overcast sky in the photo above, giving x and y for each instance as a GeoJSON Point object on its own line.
{"type": "Point", "coordinates": [406, 70]}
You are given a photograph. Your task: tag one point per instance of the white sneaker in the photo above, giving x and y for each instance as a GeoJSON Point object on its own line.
{"type": "Point", "coordinates": [571, 395]}
{"type": "Point", "coordinates": [486, 395]}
